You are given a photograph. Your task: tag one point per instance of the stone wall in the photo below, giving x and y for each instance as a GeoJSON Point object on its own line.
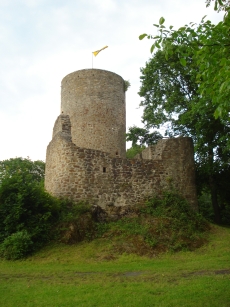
{"type": "Point", "coordinates": [85, 174]}
{"type": "Point", "coordinates": [86, 158]}
{"type": "Point", "coordinates": [95, 101]}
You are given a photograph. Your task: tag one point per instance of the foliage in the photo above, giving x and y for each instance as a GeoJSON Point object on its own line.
{"type": "Point", "coordinates": [166, 223]}
{"type": "Point", "coordinates": [142, 136]}
{"type": "Point", "coordinates": [209, 46]}
{"type": "Point", "coordinates": [13, 166]}
{"type": "Point", "coordinates": [25, 206]}
{"type": "Point", "coordinates": [167, 90]}
{"type": "Point", "coordinates": [134, 150]}
{"type": "Point", "coordinates": [76, 222]}
{"type": "Point", "coordinates": [219, 5]}
{"type": "Point", "coordinates": [30, 215]}
{"type": "Point", "coordinates": [16, 246]}
{"type": "Point", "coordinates": [171, 99]}
{"type": "Point", "coordinates": [127, 85]}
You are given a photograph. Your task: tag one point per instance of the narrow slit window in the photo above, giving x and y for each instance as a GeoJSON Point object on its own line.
{"type": "Point", "coordinates": [104, 169]}
{"type": "Point", "coordinates": [116, 153]}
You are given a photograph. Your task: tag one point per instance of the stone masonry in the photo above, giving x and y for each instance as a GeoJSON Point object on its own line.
{"type": "Point", "coordinates": [95, 102]}
{"type": "Point", "coordinates": [86, 157]}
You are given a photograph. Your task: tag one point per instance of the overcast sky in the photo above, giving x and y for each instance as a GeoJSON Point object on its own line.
{"type": "Point", "coordinates": [41, 41]}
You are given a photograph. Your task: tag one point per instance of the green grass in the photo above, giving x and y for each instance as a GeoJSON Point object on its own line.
{"type": "Point", "coordinates": [91, 274]}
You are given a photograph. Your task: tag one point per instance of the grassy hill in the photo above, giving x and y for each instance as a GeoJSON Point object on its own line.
{"type": "Point", "coordinates": [95, 274]}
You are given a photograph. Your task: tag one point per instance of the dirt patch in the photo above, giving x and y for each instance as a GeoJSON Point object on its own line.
{"type": "Point", "coordinates": [119, 276]}
{"type": "Point", "coordinates": [207, 272]}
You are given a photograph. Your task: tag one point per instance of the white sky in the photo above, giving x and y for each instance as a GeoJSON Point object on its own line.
{"type": "Point", "coordinates": [41, 41]}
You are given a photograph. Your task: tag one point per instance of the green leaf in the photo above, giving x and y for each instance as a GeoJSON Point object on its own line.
{"type": "Point", "coordinates": [223, 62]}
{"type": "Point", "coordinates": [223, 85]}
{"type": "Point", "coordinates": [190, 37]}
{"type": "Point", "coordinates": [142, 36]}
{"type": "Point", "coordinates": [157, 45]}
{"type": "Point", "coordinates": [161, 21]}
{"type": "Point", "coordinates": [202, 20]}
{"type": "Point", "coordinates": [152, 48]}
{"type": "Point", "coordinates": [218, 112]}
{"type": "Point", "coordinates": [183, 62]}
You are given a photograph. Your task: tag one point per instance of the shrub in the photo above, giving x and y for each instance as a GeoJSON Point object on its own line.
{"type": "Point", "coordinates": [166, 223]}
{"type": "Point", "coordinates": [76, 222]}
{"type": "Point", "coordinates": [16, 246]}
{"type": "Point", "coordinates": [134, 150]}
{"type": "Point", "coordinates": [25, 205]}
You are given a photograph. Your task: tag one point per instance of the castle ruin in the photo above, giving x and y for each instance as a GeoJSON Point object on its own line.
{"type": "Point", "coordinates": [86, 157]}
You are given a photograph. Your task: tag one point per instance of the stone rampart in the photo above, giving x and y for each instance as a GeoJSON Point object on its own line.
{"type": "Point", "coordinates": [86, 174]}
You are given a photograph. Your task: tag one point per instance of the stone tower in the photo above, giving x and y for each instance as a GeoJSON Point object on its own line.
{"type": "Point", "coordinates": [94, 99]}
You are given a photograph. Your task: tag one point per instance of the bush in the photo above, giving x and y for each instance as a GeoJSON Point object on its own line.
{"type": "Point", "coordinates": [16, 246]}
{"type": "Point", "coordinates": [76, 222]}
{"type": "Point", "coordinates": [25, 206]}
{"type": "Point", "coordinates": [134, 150]}
{"type": "Point", "coordinates": [166, 223]}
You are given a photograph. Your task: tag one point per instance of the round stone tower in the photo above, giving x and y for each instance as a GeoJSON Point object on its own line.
{"type": "Point", "coordinates": [94, 99]}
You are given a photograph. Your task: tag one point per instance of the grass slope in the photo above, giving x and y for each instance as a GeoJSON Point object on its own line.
{"type": "Point", "coordinates": [92, 274]}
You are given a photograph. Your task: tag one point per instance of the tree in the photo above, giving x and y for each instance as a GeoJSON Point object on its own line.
{"type": "Point", "coordinates": [209, 46]}
{"type": "Point", "coordinates": [202, 49]}
{"type": "Point", "coordinates": [142, 136]}
{"type": "Point", "coordinates": [170, 97]}
{"type": "Point", "coordinates": [27, 211]}
{"type": "Point", "coordinates": [219, 5]}
{"type": "Point", "coordinates": [13, 166]}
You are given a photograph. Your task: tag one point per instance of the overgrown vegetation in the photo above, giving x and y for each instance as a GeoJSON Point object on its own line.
{"type": "Point", "coordinates": [30, 218]}
{"type": "Point", "coordinates": [76, 223]}
{"type": "Point", "coordinates": [166, 223]}
{"type": "Point", "coordinates": [126, 85]}
{"type": "Point", "coordinates": [185, 92]}
{"type": "Point", "coordinates": [171, 101]}
{"type": "Point", "coordinates": [27, 212]}
{"type": "Point", "coordinates": [134, 150]}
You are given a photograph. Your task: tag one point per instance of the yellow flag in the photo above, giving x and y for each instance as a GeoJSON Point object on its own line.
{"type": "Point", "coordinates": [96, 52]}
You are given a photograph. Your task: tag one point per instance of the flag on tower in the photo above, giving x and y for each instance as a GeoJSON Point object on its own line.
{"type": "Point", "coordinates": [96, 52]}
